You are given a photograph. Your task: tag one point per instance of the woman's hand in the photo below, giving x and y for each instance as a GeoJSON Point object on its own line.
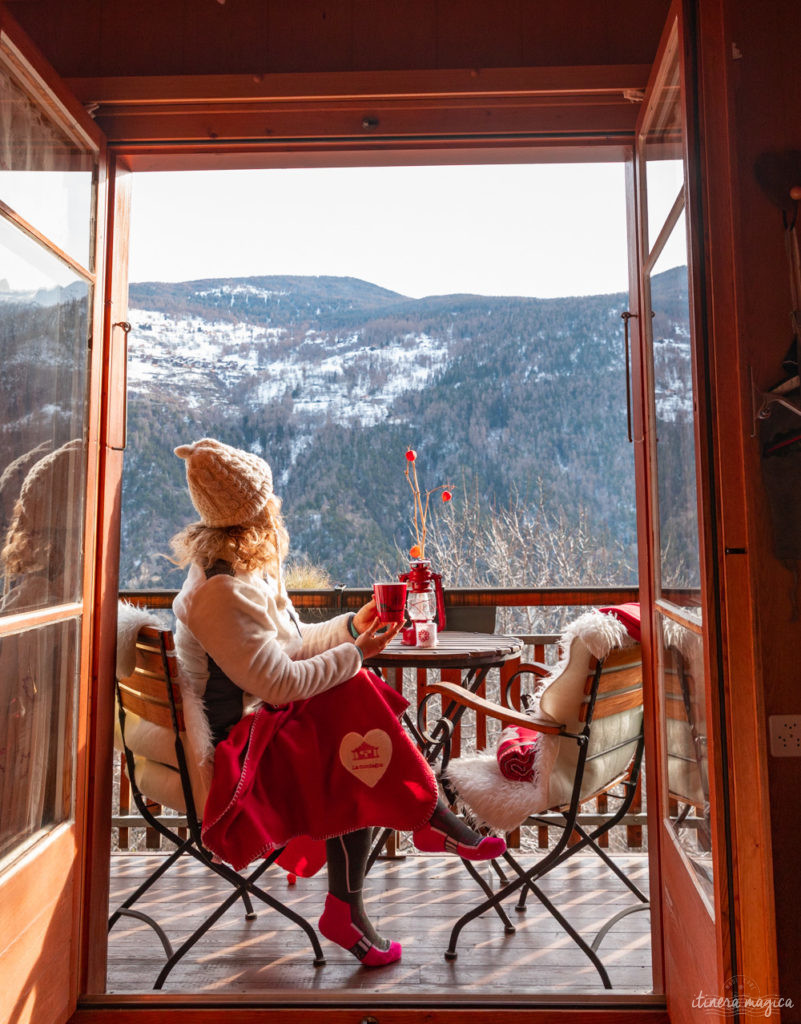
{"type": "Point", "coordinates": [376, 636]}
{"type": "Point", "coordinates": [364, 616]}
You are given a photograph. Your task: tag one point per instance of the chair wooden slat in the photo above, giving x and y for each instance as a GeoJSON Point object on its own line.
{"type": "Point", "coordinates": [155, 636]}
{"type": "Point", "coordinates": [620, 678]}
{"type": "Point", "coordinates": [149, 660]}
{"type": "Point", "coordinates": [157, 712]}
{"type": "Point", "coordinates": [675, 708]}
{"type": "Point", "coordinates": [614, 703]}
{"type": "Point", "coordinates": [151, 685]}
{"type": "Point", "coordinates": [623, 657]}
{"type": "Point", "coordinates": [672, 683]}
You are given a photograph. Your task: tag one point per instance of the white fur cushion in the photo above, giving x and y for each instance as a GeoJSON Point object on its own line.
{"type": "Point", "coordinates": [494, 800]}
{"type": "Point", "coordinates": [130, 620]}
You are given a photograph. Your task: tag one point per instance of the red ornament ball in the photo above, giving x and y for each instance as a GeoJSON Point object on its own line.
{"type": "Point", "coordinates": [411, 455]}
{"type": "Point", "coordinates": [446, 495]}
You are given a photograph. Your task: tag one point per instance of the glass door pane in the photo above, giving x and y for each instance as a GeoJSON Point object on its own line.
{"type": "Point", "coordinates": [671, 356]}
{"type": "Point", "coordinates": [37, 736]}
{"type": "Point", "coordinates": [46, 291]}
{"type": "Point", "coordinates": [44, 327]}
{"type": "Point", "coordinates": [663, 146]}
{"type": "Point", "coordinates": [46, 176]}
{"type": "Point", "coordinates": [671, 410]}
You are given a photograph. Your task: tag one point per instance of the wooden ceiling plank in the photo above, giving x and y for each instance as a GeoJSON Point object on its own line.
{"type": "Point", "coordinates": [470, 81]}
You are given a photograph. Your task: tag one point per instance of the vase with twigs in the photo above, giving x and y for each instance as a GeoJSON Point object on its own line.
{"type": "Point", "coordinates": [425, 605]}
{"type": "Point", "coordinates": [420, 505]}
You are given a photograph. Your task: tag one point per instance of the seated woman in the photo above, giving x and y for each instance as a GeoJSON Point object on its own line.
{"type": "Point", "coordinates": [309, 748]}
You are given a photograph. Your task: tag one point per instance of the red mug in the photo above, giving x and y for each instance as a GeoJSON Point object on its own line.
{"type": "Point", "coordinates": [390, 601]}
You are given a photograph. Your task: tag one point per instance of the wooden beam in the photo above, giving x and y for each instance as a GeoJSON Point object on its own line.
{"type": "Point", "coordinates": [476, 82]}
{"type": "Point", "coordinates": [368, 108]}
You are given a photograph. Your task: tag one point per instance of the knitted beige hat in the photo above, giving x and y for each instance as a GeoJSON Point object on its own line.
{"type": "Point", "coordinates": [228, 487]}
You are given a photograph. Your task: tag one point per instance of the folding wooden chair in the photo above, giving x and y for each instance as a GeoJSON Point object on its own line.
{"type": "Point", "coordinates": [591, 708]}
{"type": "Point", "coordinates": [151, 711]}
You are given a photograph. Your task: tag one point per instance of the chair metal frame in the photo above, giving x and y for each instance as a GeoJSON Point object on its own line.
{"type": "Point", "coordinates": [525, 879]}
{"type": "Point", "coordinates": [156, 668]}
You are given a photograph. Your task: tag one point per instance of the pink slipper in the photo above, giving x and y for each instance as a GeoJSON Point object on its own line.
{"type": "Point", "coordinates": [336, 925]}
{"type": "Point", "coordinates": [432, 840]}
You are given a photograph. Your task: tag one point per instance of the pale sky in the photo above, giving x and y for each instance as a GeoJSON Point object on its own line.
{"type": "Point", "coordinates": [540, 230]}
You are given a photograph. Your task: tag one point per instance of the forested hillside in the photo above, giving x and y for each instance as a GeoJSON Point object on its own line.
{"type": "Point", "coordinates": [515, 401]}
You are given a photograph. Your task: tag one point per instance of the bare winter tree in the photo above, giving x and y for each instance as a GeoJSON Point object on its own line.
{"type": "Point", "coordinates": [524, 545]}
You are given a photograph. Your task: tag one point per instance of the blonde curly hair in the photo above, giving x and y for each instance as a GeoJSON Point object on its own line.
{"type": "Point", "coordinates": [29, 547]}
{"type": "Point", "coordinates": [259, 545]}
{"type": "Point", "coordinates": [45, 532]}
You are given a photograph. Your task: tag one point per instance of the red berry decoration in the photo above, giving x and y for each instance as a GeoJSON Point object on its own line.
{"type": "Point", "coordinates": [411, 455]}
{"type": "Point", "coordinates": [446, 495]}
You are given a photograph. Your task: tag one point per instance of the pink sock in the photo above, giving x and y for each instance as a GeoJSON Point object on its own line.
{"type": "Point", "coordinates": [434, 840]}
{"type": "Point", "coordinates": [337, 926]}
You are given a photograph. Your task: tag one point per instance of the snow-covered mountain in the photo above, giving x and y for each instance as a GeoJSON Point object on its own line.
{"type": "Point", "coordinates": [331, 379]}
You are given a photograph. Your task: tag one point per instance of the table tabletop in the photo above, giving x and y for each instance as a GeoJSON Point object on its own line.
{"type": "Point", "coordinates": [454, 650]}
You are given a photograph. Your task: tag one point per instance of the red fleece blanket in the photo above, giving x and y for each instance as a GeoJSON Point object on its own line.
{"type": "Point", "coordinates": [629, 615]}
{"type": "Point", "coordinates": [315, 769]}
{"type": "Point", "coordinates": [517, 753]}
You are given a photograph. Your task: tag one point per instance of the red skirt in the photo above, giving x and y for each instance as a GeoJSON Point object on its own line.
{"type": "Point", "coordinates": [314, 769]}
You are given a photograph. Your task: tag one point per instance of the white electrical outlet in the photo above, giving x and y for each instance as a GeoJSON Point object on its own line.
{"type": "Point", "coordinates": [785, 735]}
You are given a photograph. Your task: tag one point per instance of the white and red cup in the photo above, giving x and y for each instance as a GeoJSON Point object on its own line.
{"type": "Point", "coordinates": [390, 601]}
{"type": "Point", "coordinates": [420, 634]}
{"type": "Point", "coordinates": [425, 634]}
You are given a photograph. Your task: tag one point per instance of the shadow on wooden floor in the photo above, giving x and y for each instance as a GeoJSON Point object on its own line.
{"type": "Point", "coordinates": [414, 900]}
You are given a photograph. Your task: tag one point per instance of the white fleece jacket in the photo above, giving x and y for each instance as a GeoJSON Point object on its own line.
{"type": "Point", "coordinates": [247, 624]}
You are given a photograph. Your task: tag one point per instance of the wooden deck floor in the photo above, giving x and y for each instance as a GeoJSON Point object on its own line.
{"type": "Point", "coordinates": [414, 900]}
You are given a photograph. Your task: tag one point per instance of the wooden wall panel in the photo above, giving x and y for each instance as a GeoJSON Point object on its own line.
{"type": "Point", "coordinates": [574, 32]}
{"type": "Point", "coordinates": [37, 956]}
{"type": "Point", "coordinates": [74, 29]}
{"type": "Point", "coordinates": [89, 38]}
{"type": "Point", "coordinates": [470, 33]}
{"type": "Point", "coordinates": [396, 36]}
{"type": "Point", "coordinates": [765, 42]}
{"type": "Point", "coordinates": [310, 34]}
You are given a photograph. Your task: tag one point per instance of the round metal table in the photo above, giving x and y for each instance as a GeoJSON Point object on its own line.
{"type": "Point", "coordinates": [476, 653]}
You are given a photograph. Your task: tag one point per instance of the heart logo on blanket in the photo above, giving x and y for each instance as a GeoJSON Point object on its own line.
{"type": "Point", "coordinates": [367, 757]}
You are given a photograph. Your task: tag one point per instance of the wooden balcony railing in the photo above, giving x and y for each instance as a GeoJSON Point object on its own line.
{"type": "Point", "coordinates": [483, 610]}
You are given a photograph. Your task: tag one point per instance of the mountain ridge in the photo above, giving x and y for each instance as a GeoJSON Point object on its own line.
{"type": "Point", "coordinates": [331, 379]}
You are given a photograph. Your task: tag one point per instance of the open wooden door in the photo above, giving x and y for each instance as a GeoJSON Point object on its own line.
{"type": "Point", "coordinates": [52, 203]}
{"type": "Point", "coordinates": [677, 544]}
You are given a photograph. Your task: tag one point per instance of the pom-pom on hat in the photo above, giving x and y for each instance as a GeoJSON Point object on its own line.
{"type": "Point", "coordinates": [228, 487]}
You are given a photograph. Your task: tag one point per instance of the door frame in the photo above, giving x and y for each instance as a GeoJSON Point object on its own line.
{"type": "Point", "coordinates": [744, 924]}
{"type": "Point", "coordinates": [754, 934]}
{"type": "Point", "coordinates": [43, 886]}
{"type": "Point", "coordinates": [695, 958]}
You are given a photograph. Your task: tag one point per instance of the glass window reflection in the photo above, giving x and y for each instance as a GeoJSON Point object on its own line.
{"type": "Point", "coordinates": [38, 672]}
{"type": "Point", "coordinates": [45, 176]}
{"type": "Point", "coordinates": [664, 163]}
{"type": "Point", "coordinates": [686, 744]}
{"type": "Point", "coordinates": [44, 310]}
{"type": "Point", "coordinates": [674, 409]}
